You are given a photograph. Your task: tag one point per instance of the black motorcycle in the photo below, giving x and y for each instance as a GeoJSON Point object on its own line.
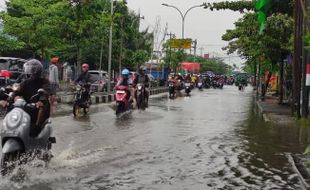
{"type": "Point", "coordinates": [141, 96]}
{"type": "Point", "coordinates": [82, 99]}
{"type": "Point", "coordinates": [188, 88]}
{"type": "Point", "coordinates": [171, 89]}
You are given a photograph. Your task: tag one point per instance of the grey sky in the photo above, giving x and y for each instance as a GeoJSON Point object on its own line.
{"type": "Point", "coordinates": [201, 24]}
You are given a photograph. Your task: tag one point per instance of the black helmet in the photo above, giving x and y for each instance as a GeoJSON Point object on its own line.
{"type": "Point", "coordinates": [33, 67]}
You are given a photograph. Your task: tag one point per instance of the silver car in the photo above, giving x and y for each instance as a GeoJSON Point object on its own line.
{"type": "Point", "coordinates": [99, 80]}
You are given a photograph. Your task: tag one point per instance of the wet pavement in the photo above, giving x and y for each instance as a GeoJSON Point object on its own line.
{"type": "Point", "coordinates": [211, 140]}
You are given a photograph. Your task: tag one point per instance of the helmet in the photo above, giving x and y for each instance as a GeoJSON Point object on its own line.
{"type": "Point", "coordinates": [141, 69]}
{"type": "Point", "coordinates": [85, 65]}
{"type": "Point", "coordinates": [125, 72]}
{"type": "Point", "coordinates": [55, 60]}
{"type": "Point", "coordinates": [33, 67]}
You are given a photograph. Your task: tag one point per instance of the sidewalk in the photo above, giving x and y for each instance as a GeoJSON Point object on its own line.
{"type": "Point", "coordinates": [274, 112]}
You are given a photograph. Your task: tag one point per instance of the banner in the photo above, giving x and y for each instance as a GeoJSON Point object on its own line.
{"type": "Point", "coordinates": [180, 43]}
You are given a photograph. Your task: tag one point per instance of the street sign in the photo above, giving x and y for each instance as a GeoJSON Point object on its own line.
{"type": "Point", "coordinates": [206, 56]}
{"type": "Point", "coordinates": [308, 75]}
{"type": "Point", "coordinates": [180, 43]}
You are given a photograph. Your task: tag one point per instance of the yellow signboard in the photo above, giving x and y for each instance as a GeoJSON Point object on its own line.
{"type": "Point", "coordinates": [180, 43]}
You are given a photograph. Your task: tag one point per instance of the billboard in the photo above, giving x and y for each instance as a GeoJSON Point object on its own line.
{"type": "Point", "coordinates": [180, 43]}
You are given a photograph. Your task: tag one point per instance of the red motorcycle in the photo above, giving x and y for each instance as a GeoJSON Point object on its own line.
{"type": "Point", "coordinates": [122, 99]}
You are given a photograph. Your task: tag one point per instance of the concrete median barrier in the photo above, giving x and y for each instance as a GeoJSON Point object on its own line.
{"type": "Point", "coordinates": [99, 98]}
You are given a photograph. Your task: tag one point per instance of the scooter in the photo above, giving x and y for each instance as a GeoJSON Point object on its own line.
{"type": "Point", "coordinates": [171, 89]}
{"type": "Point", "coordinates": [188, 88]}
{"type": "Point", "coordinates": [81, 100]}
{"type": "Point", "coordinates": [16, 142]}
{"type": "Point", "coordinates": [122, 100]}
{"type": "Point", "coordinates": [200, 86]}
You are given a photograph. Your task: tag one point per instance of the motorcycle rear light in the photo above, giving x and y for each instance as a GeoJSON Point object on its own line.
{"type": "Point", "coordinates": [120, 92]}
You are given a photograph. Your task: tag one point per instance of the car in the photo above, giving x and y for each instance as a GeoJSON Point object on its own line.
{"type": "Point", "coordinates": [98, 80]}
{"type": "Point", "coordinates": [10, 68]}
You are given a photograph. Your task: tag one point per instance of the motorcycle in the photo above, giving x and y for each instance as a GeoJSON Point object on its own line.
{"type": "Point", "coordinates": [122, 99]}
{"type": "Point", "coordinates": [200, 86]}
{"type": "Point", "coordinates": [141, 96]}
{"type": "Point", "coordinates": [16, 142]}
{"type": "Point", "coordinates": [241, 87]}
{"type": "Point", "coordinates": [220, 84]}
{"type": "Point", "coordinates": [81, 100]}
{"type": "Point", "coordinates": [171, 89]}
{"type": "Point", "coordinates": [187, 88]}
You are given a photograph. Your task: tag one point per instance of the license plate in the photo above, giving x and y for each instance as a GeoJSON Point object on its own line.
{"type": "Point", "coordinates": [120, 92]}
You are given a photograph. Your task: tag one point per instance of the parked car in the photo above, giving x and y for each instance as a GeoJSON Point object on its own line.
{"type": "Point", "coordinates": [10, 69]}
{"type": "Point", "coordinates": [99, 80]}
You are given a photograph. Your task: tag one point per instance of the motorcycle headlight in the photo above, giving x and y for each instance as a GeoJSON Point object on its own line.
{"type": "Point", "coordinates": [139, 87]}
{"type": "Point", "coordinates": [78, 87]}
{"type": "Point", "coordinates": [13, 120]}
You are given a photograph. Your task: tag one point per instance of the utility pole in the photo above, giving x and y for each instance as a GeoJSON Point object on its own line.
{"type": "Point", "coordinates": [195, 48]}
{"type": "Point", "coordinates": [297, 59]}
{"type": "Point", "coordinates": [110, 49]}
{"type": "Point", "coordinates": [305, 61]}
{"type": "Point", "coordinates": [171, 35]}
{"type": "Point", "coordinates": [201, 51]}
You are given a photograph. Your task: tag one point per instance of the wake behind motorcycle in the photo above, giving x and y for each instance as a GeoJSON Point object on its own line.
{"type": "Point", "coordinates": [16, 142]}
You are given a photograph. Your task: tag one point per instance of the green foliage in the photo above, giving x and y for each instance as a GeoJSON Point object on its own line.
{"type": "Point", "coordinates": [8, 43]}
{"type": "Point", "coordinates": [268, 48]}
{"type": "Point", "coordinates": [75, 30]}
{"type": "Point", "coordinates": [307, 151]}
{"type": "Point", "coordinates": [276, 6]}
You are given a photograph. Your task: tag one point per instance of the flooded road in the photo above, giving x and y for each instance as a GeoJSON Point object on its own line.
{"type": "Point", "coordinates": [211, 140]}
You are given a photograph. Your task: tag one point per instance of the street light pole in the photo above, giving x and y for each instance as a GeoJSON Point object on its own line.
{"type": "Point", "coordinates": [183, 15]}
{"type": "Point", "coordinates": [110, 50]}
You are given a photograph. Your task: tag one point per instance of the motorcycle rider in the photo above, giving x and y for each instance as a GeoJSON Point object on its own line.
{"type": "Point", "coordinates": [142, 78]}
{"type": "Point", "coordinates": [84, 78]}
{"type": "Point", "coordinates": [30, 87]}
{"type": "Point", "coordinates": [124, 81]}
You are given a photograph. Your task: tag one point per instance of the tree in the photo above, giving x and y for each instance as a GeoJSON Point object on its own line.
{"type": "Point", "coordinates": [77, 30]}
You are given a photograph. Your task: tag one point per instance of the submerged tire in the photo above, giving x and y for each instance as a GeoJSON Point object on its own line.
{"type": "Point", "coordinates": [9, 161]}
{"type": "Point", "coordinates": [119, 108]}
{"type": "Point", "coordinates": [76, 110]}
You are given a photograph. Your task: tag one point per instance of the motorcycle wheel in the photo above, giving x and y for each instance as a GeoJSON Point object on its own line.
{"type": "Point", "coordinates": [76, 110]}
{"type": "Point", "coordinates": [140, 102]}
{"type": "Point", "coordinates": [119, 108]}
{"type": "Point", "coordinates": [86, 110]}
{"type": "Point", "coordinates": [9, 162]}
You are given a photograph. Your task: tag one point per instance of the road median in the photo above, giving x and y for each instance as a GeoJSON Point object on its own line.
{"type": "Point", "coordinates": [98, 98]}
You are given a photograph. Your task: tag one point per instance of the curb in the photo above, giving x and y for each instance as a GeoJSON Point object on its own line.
{"type": "Point", "coordinates": [261, 110]}
{"type": "Point", "coordinates": [263, 113]}
{"type": "Point", "coordinates": [104, 98]}
{"type": "Point", "coordinates": [297, 163]}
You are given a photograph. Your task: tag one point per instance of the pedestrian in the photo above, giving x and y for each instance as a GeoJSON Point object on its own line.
{"type": "Point", "coordinates": [54, 82]}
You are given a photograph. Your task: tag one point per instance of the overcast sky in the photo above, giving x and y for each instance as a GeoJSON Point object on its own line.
{"type": "Point", "coordinates": [201, 24]}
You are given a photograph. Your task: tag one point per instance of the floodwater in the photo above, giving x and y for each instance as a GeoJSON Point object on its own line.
{"type": "Point", "coordinates": [213, 139]}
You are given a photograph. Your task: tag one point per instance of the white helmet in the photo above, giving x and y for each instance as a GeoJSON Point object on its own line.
{"type": "Point", "coordinates": [33, 67]}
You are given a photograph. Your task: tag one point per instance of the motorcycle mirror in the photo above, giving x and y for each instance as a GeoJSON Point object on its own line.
{"type": "Point", "coordinates": [41, 91]}
{"type": "Point", "coordinates": [15, 86]}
